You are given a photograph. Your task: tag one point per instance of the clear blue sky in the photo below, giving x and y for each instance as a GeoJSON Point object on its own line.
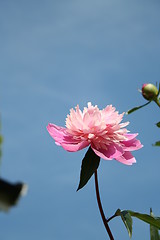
{"type": "Point", "coordinates": [55, 55]}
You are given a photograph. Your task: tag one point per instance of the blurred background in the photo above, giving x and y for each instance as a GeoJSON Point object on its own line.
{"type": "Point", "coordinates": [55, 55]}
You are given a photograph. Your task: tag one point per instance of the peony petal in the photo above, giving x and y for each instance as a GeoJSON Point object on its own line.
{"type": "Point", "coordinates": [111, 151]}
{"type": "Point", "coordinates": [64, 139]}
{"type": "Point", "coordinates": [132, 143]}
{"type": "Point", "coordinates": [130, 136]}
{"type": "Point", "coordinates": [56, 132]}
{"type": "Point", "coordinates": [127, 158]}
{"type": "Point", "coordinates": [75, 147]}
{"type": "Point", "coordinates": [59, 134]}
{"type": "Point", "coordinates": [124, 124]}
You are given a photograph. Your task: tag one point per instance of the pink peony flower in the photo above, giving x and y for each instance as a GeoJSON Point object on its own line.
{"type": "Point", "coordinates": [100, 129]}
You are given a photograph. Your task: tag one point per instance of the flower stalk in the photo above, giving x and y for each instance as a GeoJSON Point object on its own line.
{"type": "Point", "coordinates": [101, 209]}
{"type": "Point", "coordinates": [157, 102]}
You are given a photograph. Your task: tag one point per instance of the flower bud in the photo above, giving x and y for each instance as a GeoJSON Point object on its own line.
{"type": "Point", "coordinates": [149, 91]}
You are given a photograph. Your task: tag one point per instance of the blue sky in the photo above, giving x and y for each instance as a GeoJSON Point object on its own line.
{"type": "Point", "coordinates": [55, 55]}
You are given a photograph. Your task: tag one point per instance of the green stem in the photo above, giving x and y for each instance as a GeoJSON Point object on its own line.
{"type": "Point", "coordinates": [157, 102]}
{"type": "Point", "coordinates": [109, 219]}
{"type": "Point", "coordinates": [101, 209]}
{"type": "Point", "coordinates": [136, 108]}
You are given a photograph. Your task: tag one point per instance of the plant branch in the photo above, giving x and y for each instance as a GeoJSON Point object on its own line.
{"type": "Point", "coordinates": [109, 219]}
{"type": "Point", "coordinates": [157, 102]}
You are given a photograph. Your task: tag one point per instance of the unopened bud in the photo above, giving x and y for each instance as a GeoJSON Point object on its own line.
{"type": "Point", "coordinates": [149, 91]}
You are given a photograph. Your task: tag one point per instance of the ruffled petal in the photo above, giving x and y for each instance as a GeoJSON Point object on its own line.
{"type": "Point", "coordinates": [127, 158]}
{"type": "Point", "coordinates": [130, 136]}
{"type": "Point", "coordinates": [56, 132]}
{"type": "Point", "coordinates": [111, 151]}
{"type": "Point", "coordinates": [64, 139]}
{"type": "Point", "coordinates": [131, 143]}
{"type": "Point", "coordinates": [75, 146]}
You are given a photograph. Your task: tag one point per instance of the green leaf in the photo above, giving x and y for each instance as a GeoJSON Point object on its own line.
{"type": "Point", "coordinates": [156, 144]}
{"type": "Point", "coordinates": [1, 139]}
{"type": "Point", "coordinates": [89, 165]}
{"type": "Point", "coordinates": [127, 220]}
{"type": "Point", "coordinates": [136, 108]}
{"type": "Point", "coordinates": [154, 221]}
{"type": "Point", "coordinates": [158, 124]}
{"type": "Point", "coordinates": [154, 234]}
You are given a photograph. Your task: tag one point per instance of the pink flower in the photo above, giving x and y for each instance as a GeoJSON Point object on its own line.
{"type": "Point", "coordinates": [100, 129]}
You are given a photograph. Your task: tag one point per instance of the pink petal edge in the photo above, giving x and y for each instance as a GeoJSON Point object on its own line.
{"type": "Point", "coordinates": [64, 139]}
{"type": "Point", "coordinates": [111, 151]}
{"type": "Point", "coordinates": [127, 159]}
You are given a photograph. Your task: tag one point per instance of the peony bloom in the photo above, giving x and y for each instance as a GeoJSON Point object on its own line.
{"type": "Point", "coordinates": [102, 130]}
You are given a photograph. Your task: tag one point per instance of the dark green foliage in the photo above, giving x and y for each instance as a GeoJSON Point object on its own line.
{"type": "Point", "coordinates": [157, 144]}
{"type": "Point", "coordinates": [136, 108]}
{"type": "Point", "coordinates": [154, 234]}
{"type": "Point", "coordinates": [158, 124]}
{"type": "Point", "coordinates": [89, 165]}
{"type": "Point", "coordinates": [127, 220]}
{"type": "Point", "coordinates": [126, 216]}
